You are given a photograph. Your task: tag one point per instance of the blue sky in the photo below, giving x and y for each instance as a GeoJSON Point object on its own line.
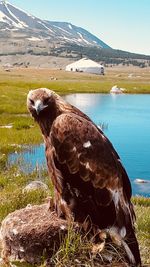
{"type": "Point", "coordinates": [122, 24]}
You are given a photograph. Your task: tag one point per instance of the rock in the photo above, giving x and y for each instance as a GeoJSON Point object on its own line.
{"type": "Point", "coordinates": [30, 233]}
{"type": "Point", "coordinates": [116, 90]}
{"type": "Point", "coordinates": [141, 181]}
{"type": "Point", "coordinates": [34, 185]}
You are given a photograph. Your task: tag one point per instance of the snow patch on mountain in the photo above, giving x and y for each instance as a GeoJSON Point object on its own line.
{"type": "Point", "coordinates": [28, 14]}
{"type": "Point", "coordinates": [2, 16]}
{"type": "Point", "coordinates": [73, 40]}
{"type": "Point", "coordinates": [5, 19]}
{"type": "Point", "coordinates": [20, 24]}
{"type": "Point", "coordinates": [84, 40]}
{"type": "Point", "coordinates": [69, 25]}
{"type": "Point", "coordinates": [34, 39]}
{"type": "Point", "coordinates": [40, 22]}
{"type": "Point", "coordinates": [62, 29]}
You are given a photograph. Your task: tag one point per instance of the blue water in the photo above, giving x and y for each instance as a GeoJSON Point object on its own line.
{"type": "Point", "coordinates": [128, 120]}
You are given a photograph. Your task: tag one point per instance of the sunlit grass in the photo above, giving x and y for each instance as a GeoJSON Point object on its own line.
{"type": "Point", "coordinates": [143, 230]}
{"type": "Point", "coordinates": [12, 139]}
{"type": "Point", "coordinates": [12, 196]}
{"type": "Point", "coordinates": [141, 201]}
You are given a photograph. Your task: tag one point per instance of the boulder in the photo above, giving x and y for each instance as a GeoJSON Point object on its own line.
{"type": "Point", "coordinates": [35, 185]}
{"type": "Point", "coordinates": [30, 233]}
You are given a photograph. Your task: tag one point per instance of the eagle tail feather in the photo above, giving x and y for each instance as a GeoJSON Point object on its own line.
{"type": "Point", "coordinates": [126, 230]}
{"type": "Point", "coordinates": [132, 244]}
{"type": "Point", "coordinates": [128, 253]}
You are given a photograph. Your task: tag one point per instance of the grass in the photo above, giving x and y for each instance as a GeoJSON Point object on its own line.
{"type": "Point", "coordinates": [142, 209]}
{"type": "Point", "coordinates": [14, 86]}
{"type": "Point", "coordinates": [78, 250]}
{"type": "Point", "coordinates": [12, 183]}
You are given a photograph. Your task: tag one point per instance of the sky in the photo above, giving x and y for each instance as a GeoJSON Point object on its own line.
{"type": "Point", "coordinates": [122, 24]}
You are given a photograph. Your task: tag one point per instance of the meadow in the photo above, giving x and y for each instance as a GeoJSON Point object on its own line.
{"type": "Point", "coordinates": [17, 129]}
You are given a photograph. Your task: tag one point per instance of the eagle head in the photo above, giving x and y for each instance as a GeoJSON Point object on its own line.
{"type": "Point", "coordinates": [39, 101]}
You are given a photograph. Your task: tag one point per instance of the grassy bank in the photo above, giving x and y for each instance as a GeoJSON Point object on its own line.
{"type": "Point", "coordinates": [17, 128]}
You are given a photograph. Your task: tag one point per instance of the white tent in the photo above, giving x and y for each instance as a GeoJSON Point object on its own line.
{"type": "Point", "coordinates": [86, 65]}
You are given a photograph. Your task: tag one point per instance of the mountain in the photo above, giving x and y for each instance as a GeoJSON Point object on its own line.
{"type": "Point", "coordinates": [23, 37]}
{"type": "Point", "coordinates": [14, 21]}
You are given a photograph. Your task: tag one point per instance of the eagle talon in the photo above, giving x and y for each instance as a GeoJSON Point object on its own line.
{"type": "Point", "coordinates": [102, 235]}
{"type": "Point", "coordinates": [50, 204]}
{"type": "Point", "coordinates": [97, 248]}
{"type": "Point", "coordinates": [115, 237]}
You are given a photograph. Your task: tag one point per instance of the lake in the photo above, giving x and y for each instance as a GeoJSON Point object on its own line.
{"type": "Point", "coordinates": [127, 118]}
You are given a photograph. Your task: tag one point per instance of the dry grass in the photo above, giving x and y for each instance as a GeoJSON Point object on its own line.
{"type": "Point", "coordinates": [132, 78]}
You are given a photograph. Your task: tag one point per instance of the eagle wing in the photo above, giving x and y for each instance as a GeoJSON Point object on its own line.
{"type": "Point", "coordinates": [90, 170]}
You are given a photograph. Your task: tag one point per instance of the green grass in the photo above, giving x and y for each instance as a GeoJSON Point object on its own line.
{"type": "Point", "coordinates": [12, 197]}
{"type": "Point", "coordinates": [141, 201]}
{"type": "Point", "coordinates": [142, 209]}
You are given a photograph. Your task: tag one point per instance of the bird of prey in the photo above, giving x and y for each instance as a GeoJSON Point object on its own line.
{"type": "Point", "coordinates": [88, 176]}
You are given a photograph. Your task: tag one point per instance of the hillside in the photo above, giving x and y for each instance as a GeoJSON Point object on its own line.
{"type": "Point", "coordinates": [105, 55]}
{"type": "Point", "coordinates": [22, 34]}
{"type": "Point", "coordinates": [17, 25]}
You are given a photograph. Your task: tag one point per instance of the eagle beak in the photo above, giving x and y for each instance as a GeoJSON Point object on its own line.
{"type": "Point", "coordinates": [38, 106]}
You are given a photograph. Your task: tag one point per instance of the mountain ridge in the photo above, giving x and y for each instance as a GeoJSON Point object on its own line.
{"type": "Point", "coordinates": [15, 20]}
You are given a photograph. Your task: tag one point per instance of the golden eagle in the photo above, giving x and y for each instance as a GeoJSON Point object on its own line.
{"type": "Point", "coordinates": [88, 177]}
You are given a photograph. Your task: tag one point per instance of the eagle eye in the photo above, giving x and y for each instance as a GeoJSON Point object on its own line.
{"type": "Point", "coordinates": [45, 101]}
{"type": "Point", "coordinates": [31, 101]}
